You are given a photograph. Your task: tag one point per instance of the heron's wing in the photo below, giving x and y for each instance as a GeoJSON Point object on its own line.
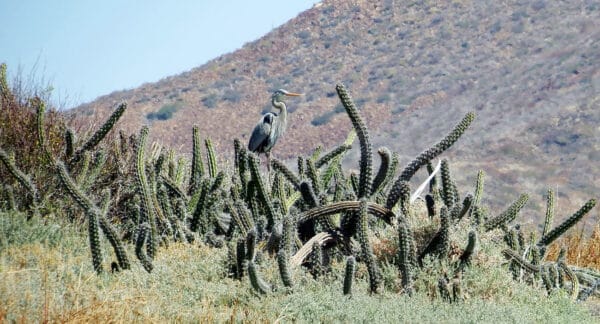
{"type": "Point", "coordinates": [261, 132]}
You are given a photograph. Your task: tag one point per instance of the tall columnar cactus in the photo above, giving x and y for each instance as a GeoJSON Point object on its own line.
{"type": "Point", "coordinates": [508, 215]}
{"type": "Point", "coordinates": [140, 242]}
{"type": "Point", "coordinates": [568, 223]}
{"type": "Point", "coordinates": [436, 150]}
{"type": "Point", "coordinates": [257, 282]}
{"type": "Point", "coordinates": [479, 188]}
{"type": "Point", "coordinates": [406, 255]}
{"type": "Point", "coordinates": [447, 189]}
{"type": "Point", "coordinates": [366, 155]}
{"type": "Point", "coordinates": [197, 166]}
{"type": "Point", "coordinates": [91, 211]}
{"type": "Point", "coordinates": [384, 169]}
{"type": "Point", "coordinates": [349, 274]}
{"type": "Point", "coordinates": [549, 212]}
{"type": "Point", "coordinates": [146, 209]}
{"type": "Point", "coordinates": [99, 134]}
{"type": "Point", "coordinates": [199, 221]}
{"type": "Point", "coordinates": [367, 250]}
{"type": "Point", "coordinates": [21, 177]}
{"type": "Point", "coordinates": [263, 195]}
{"type": "Point", "coordinates": [211, 158]}
{"type": "Point", "coordinates": [284, 268]}
{"type": "Point", "coordinates": [240, 254]}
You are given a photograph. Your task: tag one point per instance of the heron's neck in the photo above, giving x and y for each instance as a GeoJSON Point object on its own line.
{"type": "Point", "coordinates": [282, 111]}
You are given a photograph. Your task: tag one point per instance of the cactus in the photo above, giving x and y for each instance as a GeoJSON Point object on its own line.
{"type": "Point", "coordinates": [436, 150]}
{"type": "Point", "coordinates": [430, 202]}
{"type": "Point", "coordinates": [211, 158]}
{"type": "Point", "coordinates": [240, 253]}
{"type": "Point", "coordinates": [333, 154]}
{"type": "Point", "coordinates": [440, 243]}
{"type": "Point", "coordinates": [313, 175]}
{"type": "Point", "coordinates": [549, 212]}
{"type": "Point", "coordinates": [146, 210]}
{"type": "Point", "coordinates": [291, 177]}
{"type": "Point", "coordinates": [406, 256]}
{"type": "Point", "coordinates": [347, 206]}
{"type": "Point", "coordinates": [574, 281]}
{"type": "Point", "coordinates": [467, 255]}
{"type": "Point", "coordinates": [367, 250]}
{"type": "Point", "coordinates": [198, 223]}
{"type": "Point", "coordinates": [568, 223]}
{"type": "Point", "coordinates": [23, 179]}
{"type": "Point", "coordinates": [349, 275]}
{"type": "Point", "coordinates": [94, 236]}
{"type": "Point", "coordinates": [511, 254]}
{"type": "Point", "coordinates": [400, 190]}
{"type": "Point", "coordinates": [447, 189]}
{"type": "Point", "coordinates": [508, 215]}
{"type": "Point", "coordinates": [197, 166]}
{"type": "Point", "coordinates": [384, 169]}
{"type": "Point", "coordinates": [264, 197]}
{"type": "Point", "coordinates": [69, 142]}
{"type": "Point", "coordinates": [140, 241]}
{"type": "Point", "coordinates": [366, 156]}
{"type": "Point", "coordinates": [284, 269]}
{"type": "Point", "coordinates": [466, 206]}
{"type": "Point", "coordinates": [256, 281]}
{"type": "Point", "coordinates": [301, 166]}
{"type": "Point", "coordinates": [99, 134]}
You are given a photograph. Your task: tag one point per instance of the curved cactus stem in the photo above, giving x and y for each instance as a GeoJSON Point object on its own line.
{"type": "Point", "coordinates": [320, 238]}
{"type": "Point", "coordinates": [366, 156]}
{"type": "Point", "coordinates": [568, 223]}
{"type": "Point", "coordinates": [347, 206]}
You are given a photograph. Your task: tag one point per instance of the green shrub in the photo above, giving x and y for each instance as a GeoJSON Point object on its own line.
{"type": "Point", "coordinates": [164, 113]}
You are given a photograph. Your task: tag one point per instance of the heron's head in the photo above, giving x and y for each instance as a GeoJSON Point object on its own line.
{"type": "Point", "coordinates": [279, 94]}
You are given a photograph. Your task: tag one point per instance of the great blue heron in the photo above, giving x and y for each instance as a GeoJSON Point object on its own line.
{"type": "Point", "coordinates": [271, 126]}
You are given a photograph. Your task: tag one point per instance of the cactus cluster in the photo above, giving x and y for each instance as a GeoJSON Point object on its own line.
{"type": "Point", "coordinates": [304, 220]}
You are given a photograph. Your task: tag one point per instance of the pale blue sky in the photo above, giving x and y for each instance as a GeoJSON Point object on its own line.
{"type": "Point", "coordinates": [90, 48]}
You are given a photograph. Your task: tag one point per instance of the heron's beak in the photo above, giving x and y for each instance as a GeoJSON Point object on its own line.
{"type": "Point", "coordinates": [293, 94]}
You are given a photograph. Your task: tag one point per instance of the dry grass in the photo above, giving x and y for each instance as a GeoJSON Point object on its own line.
{"type": "Point", "coordinates": [581, 250]}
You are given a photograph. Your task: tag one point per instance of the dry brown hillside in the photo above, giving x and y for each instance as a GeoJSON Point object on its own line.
{"type": "Point", "coordinates": [530, 70]}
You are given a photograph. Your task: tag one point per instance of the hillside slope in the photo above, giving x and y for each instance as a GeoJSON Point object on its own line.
{"type": "Point", "coordinates": [530, 70]}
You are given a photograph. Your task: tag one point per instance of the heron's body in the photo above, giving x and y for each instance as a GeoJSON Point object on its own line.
{"type": "Point", "coordinates": [271, 126]}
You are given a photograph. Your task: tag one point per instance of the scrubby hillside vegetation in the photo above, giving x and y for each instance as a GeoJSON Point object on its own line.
{"type": "Point", "coordinates": [528, 68]}
{"type": "Point", "coordinates": [99, 226]}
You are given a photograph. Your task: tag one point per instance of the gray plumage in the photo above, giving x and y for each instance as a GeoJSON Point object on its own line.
{"type": "Point", "coordinates": [271, 126]}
